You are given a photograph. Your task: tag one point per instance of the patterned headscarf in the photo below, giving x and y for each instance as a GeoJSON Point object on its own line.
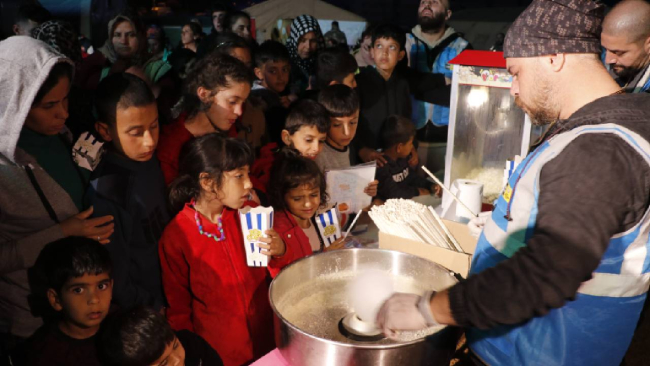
{"type": "Point", "coordinates": [556, 26]}
{"type": "Point", "coordinates": [301, 26]}
{"type": "Point", "coordinates": [61, 37]}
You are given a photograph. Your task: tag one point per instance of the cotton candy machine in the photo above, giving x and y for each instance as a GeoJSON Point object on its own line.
{"type": "Point", "coordinates": [316, 324]}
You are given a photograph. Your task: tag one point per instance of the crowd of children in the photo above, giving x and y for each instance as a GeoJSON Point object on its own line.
{"type": "Point", "coordinates": [151, 238]}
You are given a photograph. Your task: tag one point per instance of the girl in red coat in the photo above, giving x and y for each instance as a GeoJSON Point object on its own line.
{"type": "Point", "coordinates": [297, 190]}
{"type": "Point", "coordinates": [210, 289]}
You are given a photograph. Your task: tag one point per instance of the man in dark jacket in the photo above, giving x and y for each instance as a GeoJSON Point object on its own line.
{"type": "Point", "coordinates": [559, 276]}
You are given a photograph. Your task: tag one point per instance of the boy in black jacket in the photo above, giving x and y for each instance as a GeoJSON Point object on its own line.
{"type": "Point", "coordinates": [382, 91]}
{"type": "Point", "coordinates": [129, 184]}
{"type": "Point", "coordinates": [397, 179]}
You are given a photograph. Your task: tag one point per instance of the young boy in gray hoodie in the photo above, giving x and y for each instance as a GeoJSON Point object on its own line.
{"type": "Point", "coordinates": [41, 187]}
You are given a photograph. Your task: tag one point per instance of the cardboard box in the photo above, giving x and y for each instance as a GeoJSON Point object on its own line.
{"type": "Point", "coordinates": [452, 260]}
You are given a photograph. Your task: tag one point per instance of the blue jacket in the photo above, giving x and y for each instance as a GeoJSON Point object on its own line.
{"type": "Point", "coordinates": [417, 51]}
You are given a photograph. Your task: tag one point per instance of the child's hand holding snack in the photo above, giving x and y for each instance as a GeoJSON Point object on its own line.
{"type": "Point", "coordinates": [273, 245]}
{"type": "Point", "coordinates": [338, 244]}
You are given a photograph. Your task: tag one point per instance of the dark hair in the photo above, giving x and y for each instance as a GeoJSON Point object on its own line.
{"type": "Point", "coordinates": [396, 130]}
{"type": "Point", "coordinates": [135, 337]}
{"type": "Point", "coordinates": [212, 72]}
{"type": "Point", "coordinates": [389, 31]}
{"type": "Point", "coordinates": [33, 12]}
{"type": "Point", "coordinates": [181, 61]}
{"type": "Point", "coordinates": [69, 258]}
{"type": "Point", "coordinates": [307, 112]}
{"type": "Point", "coordinates": [232, 17]}
{"type": "Point", "coordinates": [212, 154]}
{"type": "Point", "coordinates": [339, 100]}
{"type": "Point", "coordinates": [291, 171]}
{"type": "Point", "coordinates": [334, 64]}
{"type": "Point", "coordinates": [271, 51]}
{"type": "Point", "coordinates": [60, 70]}
{"type": "Point", "coordinates": [224, 43]}
{"type": "Point", "coordinates": [218, 6]}
{"type": "Point", "coordinates": [121, 90]}
{"type": "Point", "coordinates": [196, 29]}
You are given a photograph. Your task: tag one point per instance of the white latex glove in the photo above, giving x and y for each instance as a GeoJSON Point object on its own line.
{"type": "Point", "coordinates": [406, 312]}
{"type": "Point", "coordinates": [477, 223]}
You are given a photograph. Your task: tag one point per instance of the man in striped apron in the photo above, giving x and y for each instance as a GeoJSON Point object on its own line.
{"type": "Point", "coordinates": [562, 268]}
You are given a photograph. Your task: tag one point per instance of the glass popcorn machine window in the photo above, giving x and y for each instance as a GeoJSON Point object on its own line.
{"type": "Point", "coordinates": [486, 128]}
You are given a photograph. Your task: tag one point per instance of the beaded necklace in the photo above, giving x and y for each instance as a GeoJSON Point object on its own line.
{"type": "Point", "coordinates": [197, 217]}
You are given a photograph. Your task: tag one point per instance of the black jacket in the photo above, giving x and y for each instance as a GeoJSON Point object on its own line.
{"type": "Point", "coordinates": [398, 180]}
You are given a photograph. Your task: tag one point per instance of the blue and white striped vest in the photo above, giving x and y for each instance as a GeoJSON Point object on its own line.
{"type": "Point", "coordinates": [594, 329]}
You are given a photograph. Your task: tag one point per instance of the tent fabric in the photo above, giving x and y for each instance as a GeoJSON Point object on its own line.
{"type": "Point", "coordinates": [268, 13]}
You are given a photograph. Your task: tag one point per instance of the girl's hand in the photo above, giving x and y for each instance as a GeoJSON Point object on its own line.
{"type": "Point", "coordinates": [339, 244]}
{"type": "Point", "coordinates": [273, 245]}
{"type": "Point", "coordinates": [371, 189]}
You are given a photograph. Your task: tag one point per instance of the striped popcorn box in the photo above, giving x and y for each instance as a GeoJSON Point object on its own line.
{"type": "Point", "coordinates": [254, 222]}
{"type": "Point", "coordinates": [87, 151]}
{"type": "Point", "coordinates": [328, 226]}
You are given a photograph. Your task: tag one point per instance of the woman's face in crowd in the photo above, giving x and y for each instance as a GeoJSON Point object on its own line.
{"type": "Point", "coordinates": [307, 45]}
{"type": "Point", "coordinates": [228, 104]}
{"type": "Point", "coordinates": [125, 40]}
{"type": "Point", "coordinates": [217, 20]}
{"type": "Point", "coordinates": [242, 28]}
{"type": "Point", "coordinates": [48, 116]}
{"type": "Point", "coordinates": [187, 36]}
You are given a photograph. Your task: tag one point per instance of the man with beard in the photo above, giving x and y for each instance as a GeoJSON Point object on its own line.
{"type": "Point", "coordinates": [626, 40]}
{"type": "Point", "coordinates": [560, 272]}
{"type": "Point", "coordinates": [430, 46]}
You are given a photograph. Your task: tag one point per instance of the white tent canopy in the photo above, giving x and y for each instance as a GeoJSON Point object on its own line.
{"type": "Point", "coordinates": [268, 13]}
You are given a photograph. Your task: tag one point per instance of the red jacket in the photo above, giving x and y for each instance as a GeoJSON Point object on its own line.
{"type": "Point", "coordinates": [212, 292]}
{"type": "Point", "coordinates": [295, 241]}
{"type": "Point", "coordinates": [261, 169]}
{"type": "Point", "coordinates": [172, 139]}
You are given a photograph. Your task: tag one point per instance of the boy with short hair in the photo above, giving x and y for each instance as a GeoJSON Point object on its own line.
{"type": "Point", "coordinates": [397, 179]}
{"type": "Point", "coordinates": [129, 185]}
{"type": "Point", "coordinates": [335, 66]}
{"type": "Point", "coordinates": [142, 336]}
{"type": "Point", "coordinates": [382, 91]}
{"type": "Point", "coordinates": [305, 130]}
{"type": "Point", "coordinates": [73, 275]}
{"type": "Point", "coordinates": [342, 103]}
{"type": "Point", "coordinates": [272, 68]}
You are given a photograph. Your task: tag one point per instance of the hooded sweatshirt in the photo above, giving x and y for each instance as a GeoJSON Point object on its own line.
{"type": "Point", "coordinates": [25, 224]}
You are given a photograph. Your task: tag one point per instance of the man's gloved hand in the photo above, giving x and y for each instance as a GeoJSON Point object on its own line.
{"type": "Point", "coordinates": [477, 223]}
{"type": "Point", "coordinates": [406, 312]}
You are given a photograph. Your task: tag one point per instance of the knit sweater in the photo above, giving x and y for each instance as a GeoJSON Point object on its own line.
{"type": "Point", "coordinates": [212, 291]}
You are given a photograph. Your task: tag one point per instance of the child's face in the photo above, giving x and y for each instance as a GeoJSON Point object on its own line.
{"type": "Point", "coordinates": [174, 355]}
{"type": "Point", "coordinates": [235, 188]}
{"type": "Point", "coordinates": [274, 75]}
{"type": "Point", "coordinates": [227, 105]}
{"type": "Point", "coordinates": [387, 53]}
{"type": "Point", "coordinates": [84, 301]}
{"type": "Point", "coordinates": [307, 140]}
{"type": "Point", "coordinates": [135, 134]}
{"type": "Point", "coordinates": [342, 130]}
{"type": "Point", "coordinates": [303, 201]}
{"type": "Point", "coordinates": [404, 150]}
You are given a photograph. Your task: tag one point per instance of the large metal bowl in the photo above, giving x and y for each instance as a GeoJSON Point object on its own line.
{"type": "Point", "coordinates": [309, 299]}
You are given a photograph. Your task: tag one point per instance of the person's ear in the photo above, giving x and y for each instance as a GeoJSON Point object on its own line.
{"type": "Point", "coordinates": [448, 15]}
{"type": "Point", "coordinates": [372, 51]}
{"type": "Point", "coordinates": [286, 137]}
{"type": "Point", "coordinates": [16, 29]}
{"type": "Point", "coordinates": [646, 45]}
{"type": "Point", "coordinates": [103, 130]}
{"type": "Point", "coordinates": [258, 73]}
{"type": "Point", "coordinates": [206, 182]}
{"type": "Point", "coordinates": [204, 94]}
{"type": "Point", "coordinates": [555, 61]}
{"type": "Point", "coordinates": [333, 82]}
{"type": "Point", "coordinates": [54, 299]}
{"type": "Point", "coordinates": [401, 55]}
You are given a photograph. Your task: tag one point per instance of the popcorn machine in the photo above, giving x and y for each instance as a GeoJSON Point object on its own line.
{"type": "Point", "coordinates": [486, 128]}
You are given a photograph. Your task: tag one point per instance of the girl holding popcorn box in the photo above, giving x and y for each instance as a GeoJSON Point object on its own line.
{"type": "Point", "coordinates": [297, 191]}
{"type": "Point", "coordinates": [214, 285]}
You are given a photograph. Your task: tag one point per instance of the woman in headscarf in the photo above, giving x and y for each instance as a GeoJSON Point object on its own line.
{"type": "Point", "coordinates": [305, 40]}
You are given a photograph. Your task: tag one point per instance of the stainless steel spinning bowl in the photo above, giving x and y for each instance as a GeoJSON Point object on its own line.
{"type": "Point", "coordinates": [309, 299]}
